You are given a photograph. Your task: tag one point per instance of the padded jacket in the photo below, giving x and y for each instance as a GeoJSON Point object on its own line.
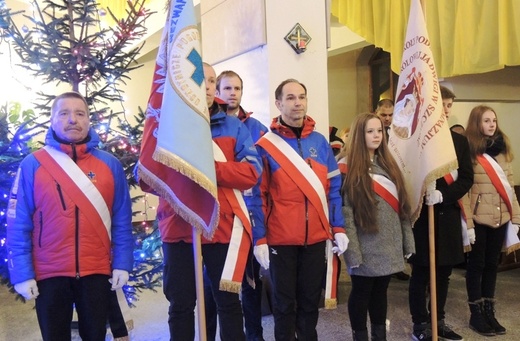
{"type": "Point", "coordinates": [48, 236]}
{"type": "Point", "coordinates": [290, 218]}
{"type": "Point", "coordinates": [486, 205]}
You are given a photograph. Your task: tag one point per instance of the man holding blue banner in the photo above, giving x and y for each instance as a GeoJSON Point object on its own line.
{"type": "Point", "coordinates": [225, 254]}
{"type": "Point", "coordinates": [194, 175]}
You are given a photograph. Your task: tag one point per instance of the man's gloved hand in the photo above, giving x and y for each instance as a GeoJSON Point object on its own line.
{"type": "Point", "coordinates": [261, 253]}
{"type": "Point", "coordinates": [432, 196]}
{"type": "Point", "coordinates": [119, 278]}
{"type": "Point", "coordinates": [341, 241]}
{"type": "Point", "coordinates": [471, 236]}
{"type": "Point", "coordinates": [27, 289]}
{"type": "Point", "coordinates": [515, 227]}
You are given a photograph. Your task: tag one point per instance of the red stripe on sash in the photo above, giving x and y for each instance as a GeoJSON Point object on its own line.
{"type": "Point", "coordinates": [386, 195]}
{"type": "Point", "coordinates": [449, 180]}
{"type": "Point", "coordinates": [381, 191]}
{"type": "Point", "coordinates": [495, 180]}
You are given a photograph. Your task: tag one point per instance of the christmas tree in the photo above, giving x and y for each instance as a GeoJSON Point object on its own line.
{"type": "Point", "coordinates": [66, 43]}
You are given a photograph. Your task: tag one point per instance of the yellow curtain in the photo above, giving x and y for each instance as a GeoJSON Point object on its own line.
{"type": "Point", "coordinates": [467, 36]}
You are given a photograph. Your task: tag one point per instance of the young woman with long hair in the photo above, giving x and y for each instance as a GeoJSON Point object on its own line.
{"type": "Point", "coordinates": [377, 214]}
{"type": "Point", "coordinates": [495, 212]}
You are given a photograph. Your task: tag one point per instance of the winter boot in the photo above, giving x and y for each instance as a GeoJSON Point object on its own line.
{"type": "Point", "coordinates": [477, 321]}
{"type": "Point", "coordinates": [378, 332]}
{"type": "Point", "coordinates": [360, 335]}
{"type": "Point", "coordinates": [489, 315]}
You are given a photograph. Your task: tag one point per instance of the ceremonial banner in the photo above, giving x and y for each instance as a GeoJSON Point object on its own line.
{"type": "Point", "coordinates": [176, 160]}
{"type": "Point", "coordinates": [419, 138]}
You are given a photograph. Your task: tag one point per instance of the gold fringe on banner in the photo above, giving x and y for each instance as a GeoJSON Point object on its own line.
{"type": "Point", "coordinates": [178, 164]}
{"type": "Point", "coordinates": [432, 176]}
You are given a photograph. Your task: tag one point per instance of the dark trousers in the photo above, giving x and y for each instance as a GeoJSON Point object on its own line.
{"type": "Point", "coordinates": [179, 289]}
{"type": "Point", "coordinates": [90, 296]}
{"type": "Point", "coordinates": [252, 300]}
{"type": "Point", "coordinates": [482, 266]}
{"type": "Point", "coordinates": [418, 293]}
{"type": "Point", "coordinates": [368, 294]}
{"type": "Point", "coordinates": [116, 320]}
{"type": "Point", "coordinates": [296, 273]}
{"type": "Point", "coordinates": [251, 303]}
{"type": "Point", "coordinates": [210, 309]}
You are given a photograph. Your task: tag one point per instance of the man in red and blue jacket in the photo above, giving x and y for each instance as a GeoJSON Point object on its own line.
{"type": "Point", "coordinates": [302, 205]}
{"type": "Point", "coordinates": [230, 89]}
{"type": "Point", "coordinates": [240, 171]}
{"type": "Point", "coordinates": [69, 225]}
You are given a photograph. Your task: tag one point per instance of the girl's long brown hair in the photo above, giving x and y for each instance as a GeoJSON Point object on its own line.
{"type": "Point", "coordinates": [358, 183]}
{"type": "Point", "coordinates": [477, 140]}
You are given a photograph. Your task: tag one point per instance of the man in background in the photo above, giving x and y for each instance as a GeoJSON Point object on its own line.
{"type": "Point", "coordinates": [385, 111]}
{"type": "Point", "coordinates": [230, 90]}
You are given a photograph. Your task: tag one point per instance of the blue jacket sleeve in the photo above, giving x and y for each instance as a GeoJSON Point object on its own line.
{"type": "Point", "coordinates": [20, 224]}
{"type": "Point", "coordinates": [244, 171]}
{"type": "Point", "coordinates": [122, 239]}
{"type": "Point", "coordinates": [336, 218]}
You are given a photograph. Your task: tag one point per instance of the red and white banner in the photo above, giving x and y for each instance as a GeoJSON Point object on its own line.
{"type": "Point", "coordinates": [419, 138]}
{"type": "Point", "coordinates": [176, 160]}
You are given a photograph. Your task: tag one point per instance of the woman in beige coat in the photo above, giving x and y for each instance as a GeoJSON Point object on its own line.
{"type": "Point", "coordinates": [495, 212]}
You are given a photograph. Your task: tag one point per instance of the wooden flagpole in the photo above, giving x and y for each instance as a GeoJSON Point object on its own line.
{"type": "Point", "coordinates": [433, 279]}
{"type": "Point", "coordinates": [199, 283]}
{"type": "Point", "coordinates": [431, 242]}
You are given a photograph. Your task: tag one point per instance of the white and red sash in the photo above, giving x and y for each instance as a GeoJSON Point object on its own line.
{"type": "Point", "coordinates": [381, 185]}
{"type": "Point", "coordinates": [451, 178]}
{"type": "Point", "coordinates": [241, 236]}
{"type": "Point", "coordinates": [499, 180]}
{"type": "Point", "coordinates": [386, 189]}
{"type": "Point", "coordinates": [342, 165]}
{"type": "Point", "coordinates": [305, 178]}
{"type": "Point", "coordinates": [79, 188]}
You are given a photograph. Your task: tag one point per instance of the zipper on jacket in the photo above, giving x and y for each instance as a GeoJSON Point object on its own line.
{"type": "Point", "coordinates": [306, 222]}
{"type": "Point", "coordinates": [41, 230]}
{"type": "Point", "coordinates": [77, 242]}
{"type": "Point", "coordinates": [306, 202]}
{"type": "Point", "coordinates": [76, 217]}
{"type": "Point", "coordinates": [476, 205]}
{"type": "Point", "coordinates": [60, 193]}
{"type": "Point", "coordinates": [74, 153]}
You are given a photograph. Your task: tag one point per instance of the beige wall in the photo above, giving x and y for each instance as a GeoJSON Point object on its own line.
{"type": "Point", "coordinates": [343, 92]}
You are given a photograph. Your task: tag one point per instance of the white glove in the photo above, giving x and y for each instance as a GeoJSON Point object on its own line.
{"type": "Point", "coordinates": [261, 253]}
{"type": "Point", "coordinates": [119, 278]}
{"type": "Point", "coordinates": [27, 289]}
{"type": "Point", "coordinates": [433, 197]}
{"type": "Point", "coordinates": [515, 227]}
{"type": "Point", "coordinates": [471, 236]}
{"type": "Point", "coordinates": [341, 242]}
